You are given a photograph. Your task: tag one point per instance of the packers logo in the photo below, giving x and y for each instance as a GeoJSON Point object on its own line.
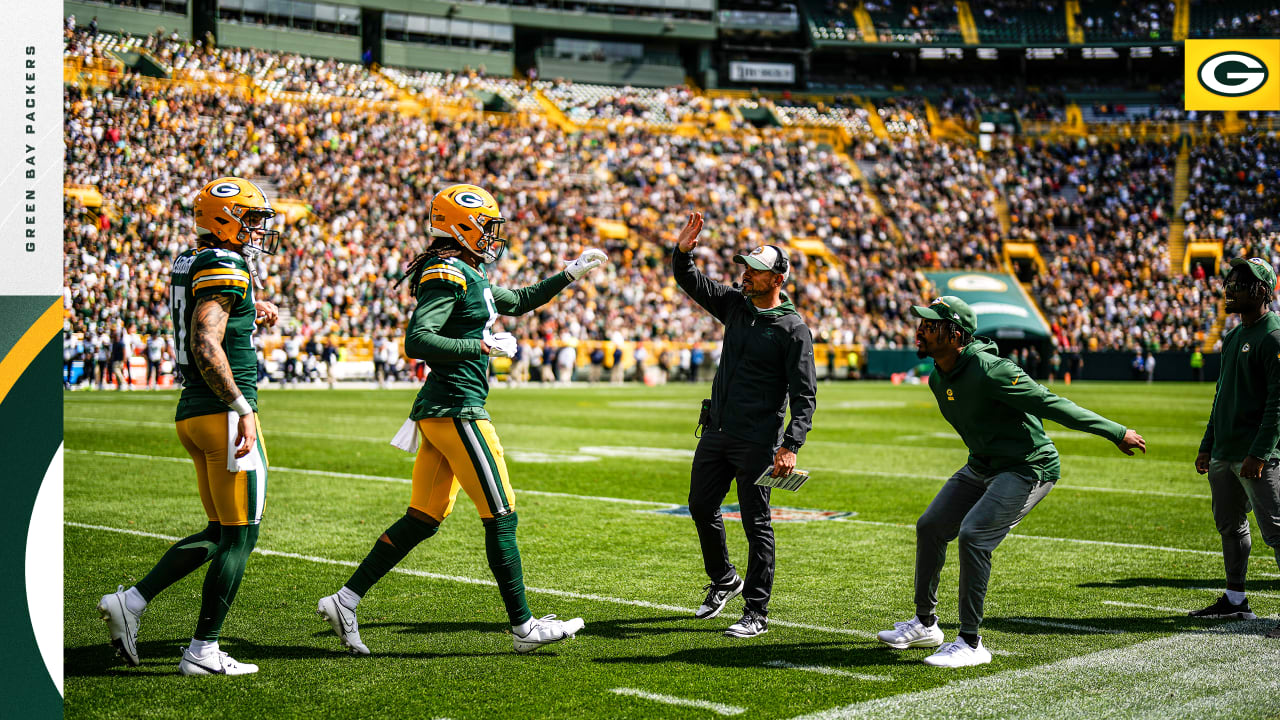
{"type": "Point", "coordinates": [225, 190]}
{"type": "Point", "coordinates": [1232, 73]}
{"type": "Point", "coordinates": [468, 199]}
{"type": "Point", "coordinates": [951, 394]}
{"type": "Point", "coordinates": [1238, 74]}
{"type": "Point", "coordinates": [1245, 349]}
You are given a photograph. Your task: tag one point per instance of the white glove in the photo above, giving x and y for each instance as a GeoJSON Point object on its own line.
{"type": "Point", "coordinates": [585, 263]}
{"type": "Point", "coordinates": [500, 344]}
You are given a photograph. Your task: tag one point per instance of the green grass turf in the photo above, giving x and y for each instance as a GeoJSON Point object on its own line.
{"type": "Point", "coordinates": [441, 646]}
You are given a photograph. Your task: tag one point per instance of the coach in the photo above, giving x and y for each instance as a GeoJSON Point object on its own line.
{"type": "Point", "coordinates": [767, 359]}
{"type": "Point", "coordinates": [1239, 450]}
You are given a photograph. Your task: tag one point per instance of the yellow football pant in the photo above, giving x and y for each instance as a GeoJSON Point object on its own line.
{"type": "Point", "coordinates": [228, 498]}
{"type": "Point", "coordinates": [462, 454]}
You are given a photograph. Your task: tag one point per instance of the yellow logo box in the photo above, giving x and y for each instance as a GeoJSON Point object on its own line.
{"type": "Point", "coordinates": [1235, 74]}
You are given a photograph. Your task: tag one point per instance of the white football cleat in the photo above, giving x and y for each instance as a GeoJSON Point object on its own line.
{"type": "Point", "coordinates": [122, 623]}
{"type": "Point", "coordinates": [911, 633]}
{"type": "Point", "coordinates": [215, 663]}
{"type": "Point", "coordinates": [546, 630]}
{"type": "Point", "coordinates": [959, 654]}
{"type": "Point", "coordinates": [343, 622]}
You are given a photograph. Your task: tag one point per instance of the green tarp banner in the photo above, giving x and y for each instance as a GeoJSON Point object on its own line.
{"type": "Point", "coordinates": [1004, 309]}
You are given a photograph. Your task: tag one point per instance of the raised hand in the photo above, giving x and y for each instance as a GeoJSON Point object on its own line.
{"type": "Point", "coordinates": [689, 235]}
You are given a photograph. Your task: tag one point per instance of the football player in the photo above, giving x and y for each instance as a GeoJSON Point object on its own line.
{"type": "Point", "coordinates": [996, 408]}
{"type": "Point", "coordinates": [456, 444]}
{"type": "Point", "coordinates": [214, 311]}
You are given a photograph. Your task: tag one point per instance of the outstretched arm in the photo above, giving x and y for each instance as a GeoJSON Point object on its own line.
{"type": "Point", "coordinates": [522, 300]}
{"type": "Point", "coordinates": [1014, 388]}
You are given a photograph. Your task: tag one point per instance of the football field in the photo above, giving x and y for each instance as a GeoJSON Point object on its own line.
{"type": "Point", "coordinates": [1086, 611]}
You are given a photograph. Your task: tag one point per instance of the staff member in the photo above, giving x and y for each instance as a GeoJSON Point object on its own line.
{"type": "Point", "coordinates": [996, 408]}
{"type": "Point", "coordinates": [767, 360]}
{"type": "Point", "coordinates": [1239, 446]}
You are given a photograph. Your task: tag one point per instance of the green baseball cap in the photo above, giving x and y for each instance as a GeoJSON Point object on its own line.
{"type": "Point", "coordinates": [1261, 269]}
{"type": "Point", "coordinates": [949, 307]}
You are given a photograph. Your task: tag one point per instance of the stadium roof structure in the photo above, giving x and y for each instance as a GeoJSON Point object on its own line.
{"type": "Point", "coordinates": [1004, 309]}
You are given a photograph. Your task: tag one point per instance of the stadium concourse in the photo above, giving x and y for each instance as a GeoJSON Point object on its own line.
{"type": "Point", "coordinates": [882, 198]}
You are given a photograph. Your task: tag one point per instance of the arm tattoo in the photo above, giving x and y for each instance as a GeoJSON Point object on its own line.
{"type": "Point", "coordinates": [209, 324]}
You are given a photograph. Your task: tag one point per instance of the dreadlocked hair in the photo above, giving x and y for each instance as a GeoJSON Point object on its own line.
{"type": "Point", "coordinates": [414, 268]}
{"type": "Point", "coordinates": [1260, 293]}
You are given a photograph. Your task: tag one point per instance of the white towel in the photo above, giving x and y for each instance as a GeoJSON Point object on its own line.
{"type": "Point", "coordinates": [252, 461]}
{"type": "Point", "coordinates": [407, 437]}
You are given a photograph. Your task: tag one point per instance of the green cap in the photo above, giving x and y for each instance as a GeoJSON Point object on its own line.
{"type": "Point", "coordinates": [949, 307]}
{"type": "Point", "coordinates": [1260, 268]}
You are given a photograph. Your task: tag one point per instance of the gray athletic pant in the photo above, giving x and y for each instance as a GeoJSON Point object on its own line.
{"type": "Point", "coordinates": [1233, 496]}
{"type": "Point", "coordinates": [980, 510]}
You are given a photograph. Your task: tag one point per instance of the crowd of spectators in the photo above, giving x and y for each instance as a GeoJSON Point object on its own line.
{"type": "Point", "coordinates": [1099, 211]}
{"type": "Point", "coordinates": [1127, 19]}
{"type": "Point", "coordinates": [583, 102]}
{"type": "Point", "coordinates": [1234, 18]}
{"type": "Point", "coordinates": [1233, 187]}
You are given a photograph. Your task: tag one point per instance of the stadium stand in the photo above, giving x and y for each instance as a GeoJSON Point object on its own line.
{"type": "Point", "coordinates": [1234, 18]}
{"type": "Point", "coordinates": [865, 213]}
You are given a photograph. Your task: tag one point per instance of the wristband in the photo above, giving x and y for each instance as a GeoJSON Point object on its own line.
{"type": "Point", "coordinates": [241, 406]}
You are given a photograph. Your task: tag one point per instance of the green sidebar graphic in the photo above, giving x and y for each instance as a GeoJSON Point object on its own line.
{"type": "Point", "coordinates": [31, 418]}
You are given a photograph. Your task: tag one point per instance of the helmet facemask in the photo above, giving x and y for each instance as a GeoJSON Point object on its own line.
{"type": "Point", "coordinates": [255, 234]}
{"type": "Point", "coordinates": [491, 244]}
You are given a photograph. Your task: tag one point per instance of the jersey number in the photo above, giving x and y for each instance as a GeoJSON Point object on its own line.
{"type": "Point", "coordinates": [178, 302]}
{"type": "Point", "coordinates": [493, 309]}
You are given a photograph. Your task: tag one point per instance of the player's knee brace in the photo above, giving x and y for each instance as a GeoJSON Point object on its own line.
{"type": "Point", "coordinates": [408, 531]}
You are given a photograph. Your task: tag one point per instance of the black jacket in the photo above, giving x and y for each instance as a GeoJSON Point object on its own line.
{"type": "Point", "coordinates": [767, 358]}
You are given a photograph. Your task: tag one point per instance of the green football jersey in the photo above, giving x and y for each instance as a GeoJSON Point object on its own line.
{"type": "Point", "coordinates": [456, 305]}
{"type": "Point", "coordinates": [456, 384]}
{"type": "Point", "coordinates": [200, 273]}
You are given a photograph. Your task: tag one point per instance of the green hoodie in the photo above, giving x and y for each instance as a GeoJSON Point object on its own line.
{"type": "Point", "coordinates": [997, 408]}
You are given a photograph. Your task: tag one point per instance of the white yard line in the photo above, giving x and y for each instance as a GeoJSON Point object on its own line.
{"type": "Point", "coordinates": [1162, 608]}
{"type": "Point", "coordinates": [1063, 625]}
{"type": "Point", "coordinates": [654, 454]}
{"type": "Point", "coordinates": [823, 670]}
{"type": "Point", "coordinates": [1215, 673]}
{"type": "Point", "coordinates": [656, 504]}
{"type": "Point", "coordinates": [378, 478]}
{"type": "Point", "coordinates": [1249, 592]}
{"type": "Point", "coordinates": [717, 708]}
{"type": "Point", "coordinates": [478, 581]}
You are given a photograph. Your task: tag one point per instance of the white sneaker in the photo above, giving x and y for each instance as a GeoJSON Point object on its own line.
{"type": "Point", "coordinates": [546, 630]}
{"type": "Point", "coordinates": [343, 622]}
{"type": "Point", "coordinates": [751, 625]}
{"type": "Point", "coordinates": [717, 597]}
{"type": "Point", "coordinates": [122, 623]}
{"type": "Point", "coordinates": [911, 633]}
{"type": "Point", "coordinates": [959, 654]}
{"type": "Point", "coordinates": [215, 663]}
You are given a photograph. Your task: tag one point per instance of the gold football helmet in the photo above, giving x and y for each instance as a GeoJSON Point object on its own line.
{"type": "Point", "coordinates": [469, 215]}
{"type": "Point", "coordinates": [235, 211]}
